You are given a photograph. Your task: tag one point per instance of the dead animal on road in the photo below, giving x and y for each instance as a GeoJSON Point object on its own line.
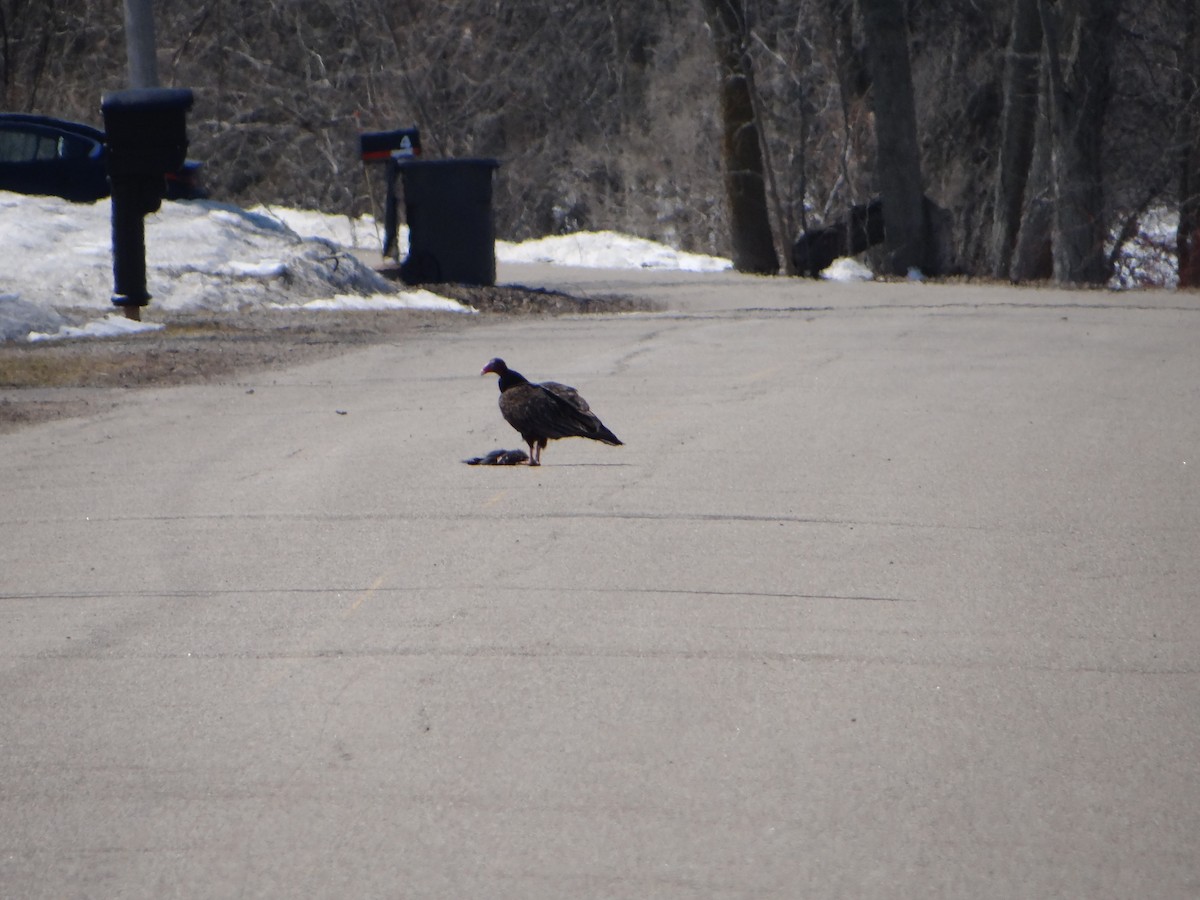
{"type": "Point", "coordinates": [545, 412]}
{"type": "Point", "coordinates": [499, 458]}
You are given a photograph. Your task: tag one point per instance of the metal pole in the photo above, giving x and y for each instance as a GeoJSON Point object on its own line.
{"type": "Point", "coordinates": [129, 250]}
{"type": "Point", "coordinates": [140, 44]}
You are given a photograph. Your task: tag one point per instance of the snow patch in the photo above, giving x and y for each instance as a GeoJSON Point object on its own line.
{"type": "Point", "coordinates": [420, 299]}
{"type": "Point", "coordinates": [606, 250]}
{"type": "Point", "coordinates": [18, 318]}
{"type": "Point", "coordinates": [846, 269]}
{"type": "Point", "coordinates": [112, 325]}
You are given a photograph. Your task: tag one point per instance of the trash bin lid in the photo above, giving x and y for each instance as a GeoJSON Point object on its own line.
{"type": "Point", "coordinates": [446, 163]}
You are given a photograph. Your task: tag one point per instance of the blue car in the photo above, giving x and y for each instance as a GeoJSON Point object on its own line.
{"type": "Point", "coordinates": [53, 157]}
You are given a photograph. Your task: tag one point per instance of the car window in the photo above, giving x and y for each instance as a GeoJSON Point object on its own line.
{"type": "Point", "coordinates": [18, 146]}
{"type": "Point", "coordinates": [71, 147]}
{"type": "Point", "coordinates": [25, 146]}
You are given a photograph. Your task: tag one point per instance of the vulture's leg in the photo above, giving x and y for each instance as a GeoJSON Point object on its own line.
{"type": "Point", "coordinates": [533, 457]}
{"type": "Point", "coordinates": [541, 447]}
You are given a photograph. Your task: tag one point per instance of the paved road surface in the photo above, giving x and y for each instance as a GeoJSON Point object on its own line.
{"type": "Point", "coordinates": [892, 593]}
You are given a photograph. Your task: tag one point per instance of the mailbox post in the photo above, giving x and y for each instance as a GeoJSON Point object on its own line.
{"type": "Point", "coordinates": [146, 137]}
{"type": "Point", "coordinates": [390, 147]}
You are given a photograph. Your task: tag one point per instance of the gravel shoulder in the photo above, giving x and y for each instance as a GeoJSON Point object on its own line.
{"type": "Point", "coordinates": [60, 379]}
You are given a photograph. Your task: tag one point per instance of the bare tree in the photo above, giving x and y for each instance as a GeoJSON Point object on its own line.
{"type": "Point", "coordinates": [1187, 239]}
{"type": "Point", "coordinates": [1017, 132]}
{"type": "Point", "coordinates": [741, 154]}
{"type": "Point", "coordinates": [1078, 36]}
{"type": "Point", "coordinates": [1033, 254]}
{"type": "Point", "coordinates": [898, 165]}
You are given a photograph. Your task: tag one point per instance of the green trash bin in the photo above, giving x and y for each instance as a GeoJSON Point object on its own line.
{"type": "Point", "coordinates": [448, 205]}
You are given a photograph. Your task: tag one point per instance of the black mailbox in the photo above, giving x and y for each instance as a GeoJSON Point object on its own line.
{"type": "Point", "coordinates": [146, 130]}
{"type": "Point", "coordinates": [380, 146]}
{"type": "Point", "coordinates": [146, 137]}
{"type": "Point", "coordinates": [390, 147]}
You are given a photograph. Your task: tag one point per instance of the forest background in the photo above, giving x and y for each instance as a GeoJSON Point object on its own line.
{"type": "Point", "coordinates": [1041, 132]}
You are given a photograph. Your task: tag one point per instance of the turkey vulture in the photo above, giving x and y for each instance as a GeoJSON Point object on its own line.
{"type": "Point", "coordinates": [545, 412]}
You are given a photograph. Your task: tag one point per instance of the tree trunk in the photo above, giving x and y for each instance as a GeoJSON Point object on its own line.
{"type": "Point", "coordinates": [899, 157]}
{"type": "Point", "coordinates": [1078, 100]}
{"type": "Point", "coordinates": [1033, 254]}
{"type": "Point", "coordinates": [745, 188]}
{"type": "Point", "coordinates": [1017, 132]}
{"type": "Point", "coordinates": [1187, 238]}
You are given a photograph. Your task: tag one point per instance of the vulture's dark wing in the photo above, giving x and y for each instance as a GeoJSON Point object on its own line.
{"type": "Point", "coordinates": [551, 410]}
{"type": "Point", "coordinates": [574, 413]}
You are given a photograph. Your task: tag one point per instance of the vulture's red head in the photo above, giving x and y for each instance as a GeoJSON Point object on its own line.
{"type": "Point", "coordinates": [497, 366]}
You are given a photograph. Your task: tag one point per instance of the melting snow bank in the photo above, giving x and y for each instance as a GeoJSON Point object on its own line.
{"type": "Point", "coordinates": [22, 320]}
{"type": "Point", "coordinates": [420, 299]}
{"type": "Point", "coordinates": [200, 255]}
{"type": "Point", "coordinates": [606, 250]}
{"type": "Point", "coordinates": [216, 257]}
{"type": "Point", "coordinates": [112, 325]}
{"type": "Point", "coordinates": [219, 257]}
{"type": "Point", "coordinates": [344, 231]}
{"type": "Point", "coordinates": [20, 317]}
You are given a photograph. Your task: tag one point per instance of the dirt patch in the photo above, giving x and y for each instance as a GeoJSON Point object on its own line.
{"type": "Point", "coordinates": [57, 379]}
{"type": "Point", "coordinates": [509, 300]}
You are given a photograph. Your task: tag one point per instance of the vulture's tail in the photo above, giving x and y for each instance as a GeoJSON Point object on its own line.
{"type": "Point", "coordinates": [603, 434]}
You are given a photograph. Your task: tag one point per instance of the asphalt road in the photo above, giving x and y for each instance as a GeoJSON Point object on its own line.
{"type": "Point", "coordinates": [892, 593]}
